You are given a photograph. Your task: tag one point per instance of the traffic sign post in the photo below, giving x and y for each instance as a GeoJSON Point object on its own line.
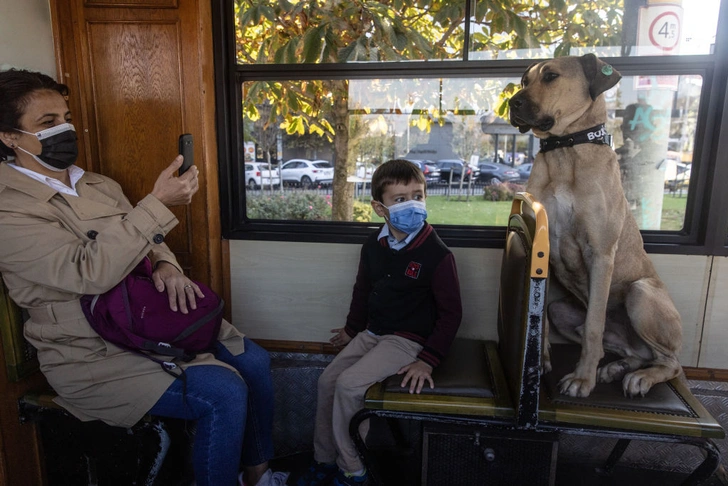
{"type": "Point", "coordinates": [659, 31]}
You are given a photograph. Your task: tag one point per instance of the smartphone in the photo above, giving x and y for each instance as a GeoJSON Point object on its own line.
{"type": "Point", "coordinates": [186, 149]}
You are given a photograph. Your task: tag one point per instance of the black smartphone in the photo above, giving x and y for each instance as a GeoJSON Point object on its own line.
{"type": "Point", "coordinates": [186, 149]}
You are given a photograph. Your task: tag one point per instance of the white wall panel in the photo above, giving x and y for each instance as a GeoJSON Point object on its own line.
{"type": "Point", "coordinates": [715, 338]}
{"type": "Point", "coordinates": [26, 37]}
{"type": "Point", "coordinates": [300, 291]}
{"type": "Point", "coordinates": [686, 278]}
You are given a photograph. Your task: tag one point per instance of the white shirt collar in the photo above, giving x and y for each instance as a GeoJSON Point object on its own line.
{"type": "Point", "coordinates": [392, 240]}
{"type": "Point", "coordinates": [74, 174]}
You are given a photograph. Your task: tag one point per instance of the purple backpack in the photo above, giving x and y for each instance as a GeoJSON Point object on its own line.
{"type": "Point", "coordinates": [136, 316]}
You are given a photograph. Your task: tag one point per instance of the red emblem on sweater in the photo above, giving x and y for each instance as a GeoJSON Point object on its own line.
{"type": "Point", "coordinates": [413, 270]}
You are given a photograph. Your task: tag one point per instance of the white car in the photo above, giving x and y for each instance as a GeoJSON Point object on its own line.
{"type": "Point", "coordinates": [306, 172]}
{"type": "Point", "coordinates": [258, 175]}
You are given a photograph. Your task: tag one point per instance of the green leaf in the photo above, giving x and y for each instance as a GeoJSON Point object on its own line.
{"type": "Point", "coordinates": [312, 42]}
{"type": "Point", "coordinates": [268, 12]}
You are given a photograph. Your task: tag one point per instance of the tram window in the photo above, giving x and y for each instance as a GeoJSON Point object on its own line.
{"type": "Point", "coordinates": [348, 32]}
{"type": "Point", "coordinates": [351, 86]}
{"type": "Point", "coordinates": [652, 120]}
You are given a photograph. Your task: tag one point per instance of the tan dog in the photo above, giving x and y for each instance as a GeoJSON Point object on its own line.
{"type": "Point", "coordinates": [619, 303]}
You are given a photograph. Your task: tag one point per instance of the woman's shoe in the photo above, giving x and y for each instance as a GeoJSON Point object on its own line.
{"type": "Point", "coordinates": [269, 478]}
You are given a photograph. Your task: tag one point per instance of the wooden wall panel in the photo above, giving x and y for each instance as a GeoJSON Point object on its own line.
{"type": "Point", "coordinates": [132, 3]}
{"type": "Point", "coordinates": [140, 74]}
{"type": "Point", "coordinates": [138, 104]}
{"type": "Point", "coordinates": [142, 79]}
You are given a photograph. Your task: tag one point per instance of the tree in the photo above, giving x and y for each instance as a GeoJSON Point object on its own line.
{"type": "Point", "coordinates": [343, 31]}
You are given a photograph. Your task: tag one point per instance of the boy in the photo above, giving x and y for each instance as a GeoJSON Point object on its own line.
{"type": "Point", "coordinates": [404, 314]}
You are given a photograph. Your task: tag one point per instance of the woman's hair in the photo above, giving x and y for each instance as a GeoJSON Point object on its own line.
{"type": "Point", "coordinates": [16, 89]}
{"type": "Point", "coordinates": [395, 171]}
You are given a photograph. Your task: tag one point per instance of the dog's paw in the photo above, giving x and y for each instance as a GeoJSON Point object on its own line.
{"type": "Point", "coordinates": [574, 386]}
{"type": "Point", "coordinates": [637, 383]}
{"type": "Point", "coordinates": [616, 370]}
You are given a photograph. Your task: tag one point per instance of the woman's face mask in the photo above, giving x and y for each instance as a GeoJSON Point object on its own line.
{"type": "Point", "coordinates": [407, 216]}
{"type": "Point", "coordinates": [59, 147]}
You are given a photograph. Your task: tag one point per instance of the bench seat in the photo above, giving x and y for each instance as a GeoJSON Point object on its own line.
{"type": "Point", "coordinates": [469, 382]}
{"type": "Point", "coordinates": [669, 408]}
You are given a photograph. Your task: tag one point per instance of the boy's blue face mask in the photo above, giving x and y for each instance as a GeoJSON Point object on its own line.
{"type": "Point", "coordinates": [407, 216]}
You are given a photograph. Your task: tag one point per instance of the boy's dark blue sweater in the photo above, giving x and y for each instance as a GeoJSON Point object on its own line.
{"type": "Point", "coordinates": [413, 293]}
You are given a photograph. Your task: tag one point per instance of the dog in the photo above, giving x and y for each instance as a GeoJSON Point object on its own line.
{"type": "Point", "coordinates": [618, 303]}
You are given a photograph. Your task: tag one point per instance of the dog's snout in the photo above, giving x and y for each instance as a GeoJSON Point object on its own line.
{"type": "Point", "coordinates": [515, 102]}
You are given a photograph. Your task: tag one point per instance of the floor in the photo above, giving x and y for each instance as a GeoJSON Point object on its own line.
{"type": "Point", "coordinates": [398, 470]}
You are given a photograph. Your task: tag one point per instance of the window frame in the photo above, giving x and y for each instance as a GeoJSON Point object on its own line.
{"type": "Point", "coordinates": [706, 217]}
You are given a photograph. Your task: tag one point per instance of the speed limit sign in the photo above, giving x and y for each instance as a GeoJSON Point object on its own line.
{"type": "Point", "coordinates": [659, 29]}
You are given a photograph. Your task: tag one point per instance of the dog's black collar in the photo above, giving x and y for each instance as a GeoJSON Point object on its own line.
{"type": "Point", "coordinates": [597, 134]}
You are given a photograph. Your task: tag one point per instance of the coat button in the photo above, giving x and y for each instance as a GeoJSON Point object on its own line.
{"type": "Point", "coordinates": [92, 234]}
{"type": "Point", "coordinates": [158, 238]}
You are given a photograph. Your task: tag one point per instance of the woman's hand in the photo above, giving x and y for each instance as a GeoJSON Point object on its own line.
{"type": "Point", "coordinates": [418, 372]}
{"type": "Point", "coordinates": [176, 191]}
{"type": "Point", "coordinates": [180, 289]}
{"type": "Point", "coordinates": [341, 338]}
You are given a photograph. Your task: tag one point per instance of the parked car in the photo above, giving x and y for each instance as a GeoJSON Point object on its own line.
{"type": "Point", "coordinates": [364, 171]}
{"type": "Point", "coordinates": [456, 167]}
{"type": "Point", "coordinates": [524, 171]}
{"type": "Point", "coordinates": [306, 172]}
{"type": "Point", "coordinates": [681, 180]}
{"type": "Point", "coordinates": [494, 173]}
{"type": "Point", "coordinates": [429, 169]}
{"type": "Point", "coordinates": [257, 174]}
{"type": "Point", "coordinates": [677, 174]}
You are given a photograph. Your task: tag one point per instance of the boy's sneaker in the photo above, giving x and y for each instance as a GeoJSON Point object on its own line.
{"type": "Point", "coordinates": [345, 479]}
{"type": "Point", "coordinates": [318, 474]}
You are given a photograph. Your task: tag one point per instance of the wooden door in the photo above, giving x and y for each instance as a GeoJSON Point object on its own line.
{"type": "Point", "coordinates": [141, 74]}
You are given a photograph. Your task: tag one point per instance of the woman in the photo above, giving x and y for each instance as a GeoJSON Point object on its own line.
{"type": "Point", "coordinates": [64, 233]}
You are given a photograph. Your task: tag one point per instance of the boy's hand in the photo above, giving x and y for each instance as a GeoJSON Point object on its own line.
{"type": "Point", "coordinates": [418, 372]}
{"type": "Point", "coordinates": [341, 338]}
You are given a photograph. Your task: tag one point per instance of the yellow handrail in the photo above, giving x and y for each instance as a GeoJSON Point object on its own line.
{"type": "Point", "coordinates": [541, 246]}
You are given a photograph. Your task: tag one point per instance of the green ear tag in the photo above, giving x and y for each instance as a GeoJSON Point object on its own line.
{"type": "Point", "coordinates": [607, 70]}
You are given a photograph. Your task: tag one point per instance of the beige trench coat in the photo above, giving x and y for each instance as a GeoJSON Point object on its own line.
{"type": "Point", "coordinates": [54, 248]}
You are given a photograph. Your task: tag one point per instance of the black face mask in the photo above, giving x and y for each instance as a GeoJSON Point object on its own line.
{"type": "Point", "coordinates": [59, 147]}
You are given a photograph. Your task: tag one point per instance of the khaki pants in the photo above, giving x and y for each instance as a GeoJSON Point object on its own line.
{"type": "Point", "coordinates": [366, 360]}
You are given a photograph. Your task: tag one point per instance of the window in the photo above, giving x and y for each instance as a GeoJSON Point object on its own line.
{"type": "Point", "coordinates": [324, 94]}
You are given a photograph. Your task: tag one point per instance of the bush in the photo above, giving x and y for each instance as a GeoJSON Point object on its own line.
{"type": "Point", "coordinates": [290, 205]}
{"type": "Point", "coordinates": [362, 212]}
{"type": "Point", "coordinates": [504, 191]}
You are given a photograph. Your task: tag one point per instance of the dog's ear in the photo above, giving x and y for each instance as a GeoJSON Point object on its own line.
{"type": "Point", "coordinates": [525, 74]}
{"type": "Point", "coordinates": [600, 75]}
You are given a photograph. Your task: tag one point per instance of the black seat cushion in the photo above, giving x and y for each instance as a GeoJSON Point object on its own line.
{"type": "Point", "coordinates": [662, 398]}
{"type": "Point", "coordinates": [464, 372]}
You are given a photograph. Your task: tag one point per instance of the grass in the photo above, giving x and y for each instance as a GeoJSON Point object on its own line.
{"type": "Point", "coordinates": [673, 212]}
{"type": "Point", "coordinates": [479, 212]}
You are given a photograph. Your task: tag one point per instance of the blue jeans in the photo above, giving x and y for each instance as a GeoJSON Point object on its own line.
{"type": "Point", "coordinates": [232, 414]}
